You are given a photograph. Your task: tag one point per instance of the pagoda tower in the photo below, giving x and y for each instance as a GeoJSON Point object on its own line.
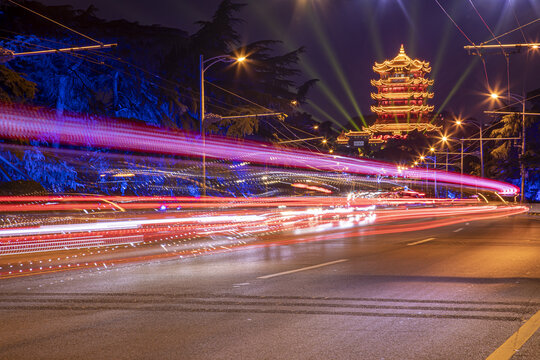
{"type": "Point", "coordinates": [402, 96]}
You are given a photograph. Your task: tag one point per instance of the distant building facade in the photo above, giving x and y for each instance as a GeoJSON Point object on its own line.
{"type": "Point", "coordinates": [402, 96]}
{"type": "Point", "coordinates": [403, 91]}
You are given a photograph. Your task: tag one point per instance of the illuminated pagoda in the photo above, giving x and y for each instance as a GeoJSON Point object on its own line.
{"type": "Point", "coordinates": [402, 96]}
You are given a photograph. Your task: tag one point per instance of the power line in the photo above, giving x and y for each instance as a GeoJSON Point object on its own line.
{"type": "Point", "coordinates": [55, 22]}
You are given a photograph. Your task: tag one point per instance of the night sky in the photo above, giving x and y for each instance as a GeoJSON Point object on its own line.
{"type": "Point", "coordinates": [344, 38]}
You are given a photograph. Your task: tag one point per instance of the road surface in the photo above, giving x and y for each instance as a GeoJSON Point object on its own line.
{"type": "Point", "coordinates": [454, 292]}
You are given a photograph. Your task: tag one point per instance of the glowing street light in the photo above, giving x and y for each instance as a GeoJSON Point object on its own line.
{"type": "Point", "coordinates": [522, 100]}
{"type": "Point", "coordinates": [480, 133]}
{"type": "Point", "coordinates": [203, 66]}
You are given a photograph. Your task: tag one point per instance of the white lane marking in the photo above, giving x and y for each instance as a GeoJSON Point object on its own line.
{"type": "Point", "coordinates": [516, 341]}
{"type": "Point", "coordinates": [420, 242]}
{"type": "Point", "coordinates": [240, 284]}
{"type": "Point", "coordinates": [302, 269]}
{"type": "Point", "coordinates": [458, 230]}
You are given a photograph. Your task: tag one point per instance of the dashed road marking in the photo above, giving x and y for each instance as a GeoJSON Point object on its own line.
{"type": "Point", "coordinates": [420, 242]}
{"type": "Point", "coordinates": [302, 269]}
{"type": "Point", "coordinates": [458, 230]}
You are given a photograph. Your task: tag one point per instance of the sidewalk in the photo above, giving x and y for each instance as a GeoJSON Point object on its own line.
{"type": "Point", "coordinates": [534, 209]}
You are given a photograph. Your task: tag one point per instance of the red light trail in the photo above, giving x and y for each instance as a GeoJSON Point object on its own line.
{"type": "Point", "coordinates": [17, 122]}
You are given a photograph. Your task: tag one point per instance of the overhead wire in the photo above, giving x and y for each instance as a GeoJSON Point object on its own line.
{"type": "Point", "coordinates": [511, 31]}
{"type": "Point", "coordinates": [55, 22]}
{"type": "Point", "coordinates": [502, 48]}
{"type": "Point", "coordinates": [87, 58]}
{"type": "Point", "coordinates": [468, 39]}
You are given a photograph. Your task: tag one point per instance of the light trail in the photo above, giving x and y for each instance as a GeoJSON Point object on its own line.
{"type": "Point", "coordinates": [342, 227]}
{"type": "Point", "coordinates": [18, 122]}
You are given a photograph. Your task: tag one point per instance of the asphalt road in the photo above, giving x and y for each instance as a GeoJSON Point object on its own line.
{"type": "Point", "coordinates": [457, 292]}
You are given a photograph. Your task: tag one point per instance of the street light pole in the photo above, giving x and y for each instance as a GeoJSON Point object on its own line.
{"type": "Point", "coordinates": [481, 151]}
{"type": "Point", "coordinates": [461, 165]}
{"type": "Point", "coordinates": [202, 69]}
{"type": "Point", "coordinates": [480, 127]}
{"type": "Point", "coordinates": [435, 172]}
{"type": "Point", "coordinates": [522, 168]}
{"type": "Point", "coordinates": [201, 120]}
{"type": "Point", "coordinates": [522, 99]}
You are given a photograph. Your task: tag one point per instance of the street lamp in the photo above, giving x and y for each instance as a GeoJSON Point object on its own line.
{"type": "Point", "coordinates": [522, 100]}
{"type": "Point", "coordinates": [480, 131]}
{"type": "Point", "coordinates": [444, 139]}
{"type": "Point", "coordinates": [203, 66]}
{"type": "Point", "coordinates": [423, 158]}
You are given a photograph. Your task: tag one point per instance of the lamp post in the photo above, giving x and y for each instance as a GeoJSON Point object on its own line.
{"type": "Point", "coordinates": [521, 99]}
{"type": "Point", "coordinates": [432, 150]}
{"type": "Point", "coordinates": [203, 66]}
{"type": "Point", "coordinates": [423, 158]}
{"type": "Point", "coordinates": [445, 142]}
{"type": "Point", "coordinates": [480, 131]}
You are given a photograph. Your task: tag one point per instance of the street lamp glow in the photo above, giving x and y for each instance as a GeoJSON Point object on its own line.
{"type": "Point", "coordinates": [422, 157]}
{"type": "Point", "coordinates": [324, 141]}
{"type": "Point", "coordinates": [444, 138]}
{"type": "Point", "coordinates": [432, 149]}
{"type": "Point", "coordinates": [241, 58]}
{"type": "Point", "coordinates": [458, 122]}
{"type": "Point", "coordinates": [494, 96]}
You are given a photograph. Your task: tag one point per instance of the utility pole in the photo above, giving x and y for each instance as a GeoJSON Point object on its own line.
{"type": "Point", "coordinates": [481, 150]}
{"type": "Point", "coordinates": [522, 162]}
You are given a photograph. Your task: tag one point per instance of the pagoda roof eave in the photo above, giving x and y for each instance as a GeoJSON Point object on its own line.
{"type": "Point", "coordinates": [401, 109]}
{"type": "Point", "coordinates": [408, 81]}
{"type": "Point", "coordinates": [402, 96]}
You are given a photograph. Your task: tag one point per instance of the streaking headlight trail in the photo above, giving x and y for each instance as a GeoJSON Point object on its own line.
{"type": "Point", "coordinates": [17, 122]}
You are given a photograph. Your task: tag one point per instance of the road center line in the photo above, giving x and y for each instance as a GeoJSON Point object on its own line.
{"type": "Point", "coordinates": [458, 230]}
{"type": "Point", "coordinates": [516, 341]}
{"type": "Point", "coordinates": [302, 269]}
{"type": "Point", "coordinates": [420, 242]}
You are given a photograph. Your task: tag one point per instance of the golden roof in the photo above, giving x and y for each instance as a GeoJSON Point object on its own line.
{"type": "Point", "coordinates": [406, 81]}
{"type": "Point", "coordinates": [402, 63]}
{"type": "Point", "coordinates": [398, 128]}
{"type": "Point", "coordinates": [401, 95]}
{"type": "Point", "coordinates": [358, 133]}
{"type": "Point", "coordinates": [401, 108]}
{"type": "Point", "coordinates": [342, 139]}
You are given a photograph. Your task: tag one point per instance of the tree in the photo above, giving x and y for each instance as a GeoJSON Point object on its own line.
{"type": "Point", "coordinates": [15, 88]}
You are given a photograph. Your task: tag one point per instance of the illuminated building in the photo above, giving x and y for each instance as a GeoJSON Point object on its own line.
{"type": "Point", "coordinates": [402, 96]}
{"type": "Point", "coordinates": [359, 140]}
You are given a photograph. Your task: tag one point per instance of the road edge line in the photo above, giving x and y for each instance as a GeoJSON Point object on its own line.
{"type": "Point", "coordinates": [516, 341]}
